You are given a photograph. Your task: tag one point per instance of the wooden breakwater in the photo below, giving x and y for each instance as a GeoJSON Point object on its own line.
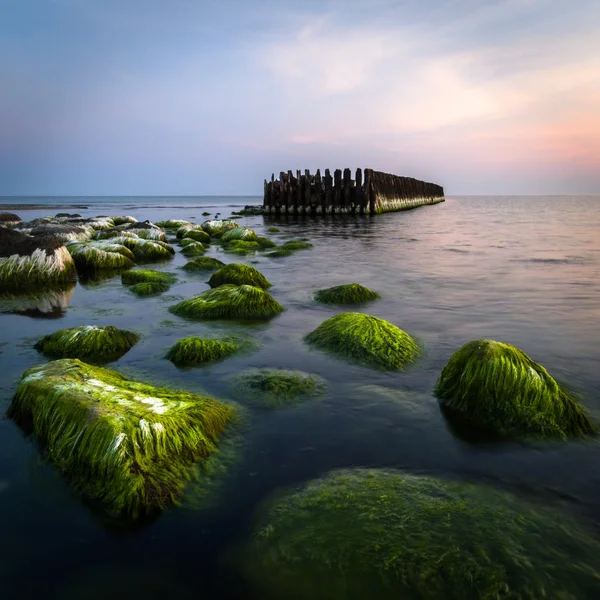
{"type": "Point", "coordinates": [340, 194]}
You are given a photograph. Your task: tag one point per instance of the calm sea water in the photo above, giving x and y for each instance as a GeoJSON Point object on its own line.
{"type": "Point", "coordinates": [525, 270]}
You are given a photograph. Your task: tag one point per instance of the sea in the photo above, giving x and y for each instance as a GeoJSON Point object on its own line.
{"type": "Point", "coordinates": [519, 269]}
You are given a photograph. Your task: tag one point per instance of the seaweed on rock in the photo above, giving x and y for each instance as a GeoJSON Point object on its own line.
{"type": "Point", "coordinates": [27, 261]}
{"type": "Point", "coordinates": [239, 233]}
{"type": "Point", "coordinates": [296, 245]}
{"type": "Point", "coordinates": [172, 223]}
{"type": "Point", "coordinates": [98, 255]}
{"type": "Point", "coordinates": [186, 228]}
{"type": "Point", "coordinates": [147, 276]}
{"type": "Point", "coordinates": [129, 446]}
{"type": "Point", "coordinates": [239, 274]}
{"type": "Point", "coordinates": [278, 388]}
{"type": "Point", "coordinates": [198, 235]}
{"type": "Point", "coordinates": [217, 227]}
{"type": "Point", "coordinates": [193, 249]}
{"type": "Point", "coordinates": [366, 340]}
{"type": "Point", "coordinates": [190, 351]}
{"type": "Point", "coordinates": [186, 242]}
{"type": "Point", "coordinates": [497, 387]}
{"type": "Point", "coordinates": [230, 301]}
{"type": "Point", "coordinates": [203, 263]}
{"type": "Point", "coordinates": [273, 230]}
{"type": "Point", "coordinates": [90, 343]}
{"type": "Point", "coordinates": [149, 288]}
{"type": "Point", "coordinates": [387, 534]}
{"type": "Point", "coordinates": [265, 242]}
{"type": "Point", "coordinates": [280, 253]}
{"type": "Point", "coordinates": [64, 232]}
{"type": "Point", "coordinates": [350, 293]}
{"type": "Point", "coordinates": [241, 247]}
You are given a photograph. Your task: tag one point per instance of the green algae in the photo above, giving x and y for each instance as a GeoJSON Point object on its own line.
{"type": "Point", "coordinates": [351, 293]}
{"type": "Point", "coordinates": [386, 534]}
{"type": "Point", "coordinates": [149, 288]}
{"type": "Point", "coordinates": [122, 220]}
{"type": "Point", "coordinates": [126, 445]}
{"type": "Point", "coordinates": [191, 351]}
{"type": "Point", "coordinates": [99, 255]}
{"type": "Point", "coordinates": [277, 388]}
{"type": "Point", "coordinates": [239, 274]}
{"type": "Point", "coordinates": [186, 242]}
{"type": "Point", "coordinates": [366, 340]}
{"type": "Point", "coordinates": [497, 387]}
{"type": "Point", "coordinates": [193, 249]}
{"type": "Point", "coordinates": [230, 301]}
{"type": "Point", "coordinates": [38, 268]}
{"type": "Point", "coordinates": [280, 253]}
{"type": "Point", "coordinates": [171, 223]}
{"type": "Point", "coordinates": [90, 343]}
{"type": "Point", "coordinates": [198, 235]}
{"type": "Point", "coordinates": [206, 214]}
{"type": "Point", "coordinates": [265, 242]}
{"type": "Point", "coordinates": [297, 245]}
{"type": "Point", "coordinates": [203, 263]}
{"type": "Point", "coordinates": [273, 230]}
{"type": "Point", "coordinates": [241, 247]}
{"type": "Point", "coordinates": [147, 276]}
{"type": "Point", "coordinates": [239, 233]}
{"type": "Point", "coordinates": [217, 227]}
{"type": "Point", "coordinates": [154, 234]}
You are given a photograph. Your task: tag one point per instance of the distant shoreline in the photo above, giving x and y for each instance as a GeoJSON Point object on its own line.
{"type": "Point", "coordinates": [39, 206]}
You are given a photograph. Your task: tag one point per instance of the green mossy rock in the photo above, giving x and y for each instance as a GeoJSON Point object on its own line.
{"type": "Point", "coordinates": [186, 228]}
{"type": "Point", "coordinates": [366, 340]}
{"type": "Point", "coordinates": [198, 235]}
{"type": "Point", "coordinates": [90, 343]}
{"type": "Point", "coordinates": [93, 256]}
{"type": "Point", "coordinates": [239, 274]}
{"type": "Point", "coordinates": [239, 233]}
{"type": "Point", "coordinates": [297, 245]}
{"type": "Point", "coordinates": [122, 220]}
{"type": "Point", "coordinates": [278, 388]}
{"type": "Point", "coordinates": [230, 302]}
{"type": "Point", "coordinates": [186, 242]}
{"type": "Point", "coordinates": [154, 234]}
{"type": "Point", "coordinates": [383, 535]}
{"type": "Point", "coordinates": [280, 253]}
{"type": "Point", "coordinates": [497, 387]}
{"type": "Point", "coordinates": [149, 250]}
{"type": "Point", "coordinates": [192, 351]}
{"type": "Point", "coordinates": [172, 223]}
{"type": "Point", "coordinates": [26, 261]}
{"type": "Point", "coordinates": [193, 249]}
{"type": "Point", "coordinates": [149, 288]}
{"type": "Point", "coordinates": [126, 445]}
{"type": "Point", "coordinates": [217, 227]}
{"type": "Point", "coordinates": [351, 293]}
{"type": "Point", "coordinates": [147, 276]}
{"type": "Point", "coordinates": [206, 214]}
{"type": "Point", "coordinates": [241, 247]}
{"type": "Point", "coordinates": [273, 230]}
{"type": "Point", "coordinates": [203, 263]}
{"type": "Point", "coordinates": [265, 242]}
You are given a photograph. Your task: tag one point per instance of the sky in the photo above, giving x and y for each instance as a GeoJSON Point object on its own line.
{"type": "Point", "coordinates": [209, 97]}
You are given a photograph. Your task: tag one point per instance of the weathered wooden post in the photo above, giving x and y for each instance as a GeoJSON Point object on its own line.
{"type": "Point", "coordinates": [317, 207]}
{"type": "Point", "coordinates": [307, 191]}
{"type": "Point", "coordinates": [369, 196]}
{"type": "Point", "coordinates": [347, 193]}
{"type": "Point", "coordinates": [328, 201]}
{"type": "Point", "coordinates": [360, 194]}
{"type": "Point", "coordinates": [293, 199]}
{"type": "Point", "coordinates": [337, 190]}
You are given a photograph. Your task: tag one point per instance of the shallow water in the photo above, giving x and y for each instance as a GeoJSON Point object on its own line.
{"type": "Point", "coordinates": [521, 270]}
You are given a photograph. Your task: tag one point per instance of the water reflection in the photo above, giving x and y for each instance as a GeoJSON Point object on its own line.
{"type": "Point", "coordinates": [40, 304]}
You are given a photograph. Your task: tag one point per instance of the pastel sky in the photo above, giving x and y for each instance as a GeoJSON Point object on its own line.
{"type": "Point", "coordinates": [187, 97]}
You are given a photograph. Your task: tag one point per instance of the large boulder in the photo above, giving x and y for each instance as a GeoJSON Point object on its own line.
{"type": "Point", "coordinates": [239, 274]}
{"type": "Point", "coordinates": [349, 293]}
{"type": "Point", "coordinates": [64, 232]}
{"type": "Point", "coordinates": [28, 261]}
{"type": "Point", "coordinates": [497, 388]}
{"type": "Point", "coordinates": [125, 445]}
{"type": "Point", "coordinates": [385, 535]}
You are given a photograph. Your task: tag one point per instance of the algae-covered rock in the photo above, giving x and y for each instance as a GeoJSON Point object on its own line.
{"type": "Point", "coordinates": [149, 250]}
{"type": "Point", "coordinates": [239, 233]}
{"type": "Point", "coordinates": [384, 534]}
{"type": "Point", "coordinates": [277, 388]}
{"type": "Point", "coordinates": [366, 340]}
{"type": "Point", "coordinates": [64, 232]}
{"type": "Point", "coordinates": [172, 223]}
{"type": "Point", "coordinates": [198, 235]}
{"type": "Point", "coordinates": [296, 245]}
{"type": "Point", "coordinates": [147, 276]}
{"type": "Point", "coordinates": [497, 387]}
{"type": "Point", "coordinates": [241, 247]}
{"type": "Point", "coordinates": [273, 230]}
{"type": "Point", "coordinates": [146, 231]}
{"type": "Point", "coordinates": [239, 274]}
{"type": "Point", "coordinates": [350, 293]}
{"type": "Point", "coordinates": [265, 242]}
{"type": "Point", "coordinates": [27, 261]}
{"type": "Point", "coordinates": [126, 445]}
{"type": "Point", "coordinates": [280, 253]}
{"type": "Point", "coordinates": [7, 219]}
{"type": "Point", "coordinates": [191, 351]}
{"type": "Point", "coordinates": [186, 242]}
{"type": "Point", "coordinates": [105, 254]}
{"type": "Point", "coordinates": [107, 234]}
{"type": "Point", "coordinates": [122, 220]}
{"type": "Point", "coordinates": [203, 263]}
{"type": "Point", "coordinates": [217, 227]}
{"type": "Point", "coordinates": [149, 288]}
{"type": "Point", "coordinates": [206, 214]}
{"type": "Point", "coordinates": [90, 343]}
{"type": "Point", "coordinates": [186, 228]}
{"type": "Point", "coordinates": [230, 301]}
{"type": "Point", "coordinates": [193, 249]}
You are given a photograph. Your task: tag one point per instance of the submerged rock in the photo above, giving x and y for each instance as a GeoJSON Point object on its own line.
{"type": "Point", "coordinates": [273, 230]}
{"type": "Point", "coordinates": [350, 293]}
{"type": "Point", "coordinates": [147, 276]}
{"type": "Point", "coordinates": [277, 388]}
{"type": "Point", "coordinates": [239, 233]}
{"type": "Point", "coordinates": [27, 261]}
{"type": "Point", "coordinates": [192, 351]}
{"type": "Point", "coordinates": [239, 274]}
{"type": "Point", "coordinates": [265, 242]}
{"type": "Point", "coordinates": [193, 249]}
{"type": "Point", "coordinates": [241, 247]}
{"type": "Point", "coordinates": [96, 344]}
{"type": "Point", "coordinates": [296, 245]}
{"type": "Point", "coordinates": [126, 445]}
{"type": "Point", "coordinates": [230, 302]}
{"type": "Point", "coordinates": [384, 534]}
{"type": "Point", "coordinates": [497, 387]}
{"type": "Point", "coordinates": [366, 340]}
{"type": "Point", "coordinates": [203, 263]}
{"type": "Point", "coordinates": [149, 288]}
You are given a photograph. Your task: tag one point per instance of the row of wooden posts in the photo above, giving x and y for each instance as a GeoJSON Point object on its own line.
{"type": "Point", "coordinates": [341, 194]}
